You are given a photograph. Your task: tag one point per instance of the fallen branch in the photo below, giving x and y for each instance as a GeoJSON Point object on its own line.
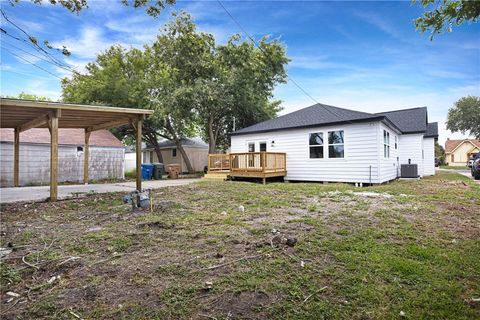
{"type": "Point", "coordinates": [67, 260]}
{"type": "Point", "coordinates": [319, 290]}
{"type": "Point", "coordinates": [29, 264]}
{"type": "Point", "coordinates": [75, 315]}
{"type": "Point", "coordinates": [240, 259]}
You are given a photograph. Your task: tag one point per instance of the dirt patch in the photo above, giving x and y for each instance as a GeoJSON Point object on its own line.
{"type": "Point", "coordinates": [241, 305]}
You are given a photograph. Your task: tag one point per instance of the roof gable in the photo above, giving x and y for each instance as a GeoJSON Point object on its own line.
{"type": "Point", "coordinates": [100, 138]}
{"type": "Point", "coordinates": [451, 145]}
{"type": "Point", "coordinates": [409, 120]}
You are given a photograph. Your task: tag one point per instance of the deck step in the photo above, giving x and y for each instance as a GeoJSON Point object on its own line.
{"type": "Point", "coordinates": [215, 176]}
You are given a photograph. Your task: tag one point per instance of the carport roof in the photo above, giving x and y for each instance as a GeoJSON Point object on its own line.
{"type": "Point", "coordinates": [25, 114]}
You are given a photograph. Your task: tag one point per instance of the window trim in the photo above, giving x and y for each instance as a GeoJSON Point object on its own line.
{"type": "Point", "coordinates": [386, 144]}
{"type": "Point", "coordinates": [249, 144]}
{"type": "Point", "coordinates": [335, 144]}
{"type": "Point", "coordinates": [316, 145]}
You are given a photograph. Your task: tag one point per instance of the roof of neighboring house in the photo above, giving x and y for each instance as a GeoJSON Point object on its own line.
{"type": "Point", "coordinates": [451, 144]}
{"type": "Point", "coordinates": [406, 121]}
{"type": "Point", "coordinates": [99, 138]}
{"type": "Point", "coordinates": [191, 142]}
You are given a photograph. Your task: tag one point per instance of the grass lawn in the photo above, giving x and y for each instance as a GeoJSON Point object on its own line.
{"type": "Point", "coordinates": [455, 167]}
{"type": "Point", "coordinates": [407, 247]}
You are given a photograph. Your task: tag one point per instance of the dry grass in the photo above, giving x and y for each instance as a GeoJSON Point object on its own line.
{"type": "Point", "coordinates": [405, 246]}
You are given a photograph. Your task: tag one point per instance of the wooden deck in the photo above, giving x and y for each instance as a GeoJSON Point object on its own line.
{"type": "Point", "coordinates": [261, 165]}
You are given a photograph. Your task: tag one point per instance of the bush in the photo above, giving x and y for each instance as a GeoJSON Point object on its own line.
{"type": "Point", "coordinates": [130, 174]}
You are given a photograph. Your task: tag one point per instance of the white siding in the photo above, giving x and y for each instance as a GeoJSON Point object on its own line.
{"type": "Point", "coordinates": [411, 147]}
{"type": "Point", "coordinates": [389, 166]}
{"type": "Point", "coordinates": [104, 163]}
{"type": "Point", "coordinates": [361, 162]}
{"type": "Point", "coordinates": [429, 156]}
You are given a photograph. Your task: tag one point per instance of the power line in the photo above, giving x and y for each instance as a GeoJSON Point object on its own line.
{"type": "Point", "coordinates": [261, 49]}
{"type": "Point", "coordinates": [33, 64]}
{"type": "Point", "coordinates": [41, 58]}
{"type": "Point", "coordinates": [31, 40]}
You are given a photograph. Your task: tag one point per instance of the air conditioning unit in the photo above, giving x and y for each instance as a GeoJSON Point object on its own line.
{"type": "Point", "coordinates": [409, 171]}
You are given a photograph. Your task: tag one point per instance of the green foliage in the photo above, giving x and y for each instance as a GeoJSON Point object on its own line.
{"type": "Point", "coordinates": [152, 7]}
{"type": "Point", "coordinates": [28, 96]}
{"type": "Point", "coordinates": [441, 15]}
{"type": "Point", "coordinates": [191, 84]}
{"type": "Point", "coordinates": [439, 153]}
{"type": "Point", "coordinates": [464, 116]}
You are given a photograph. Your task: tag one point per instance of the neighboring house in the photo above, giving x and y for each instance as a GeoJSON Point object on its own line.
{"type": "Point", "coordinates": [326, 143]}
{"type": "Point", "coordinates": [106, 156]}
{"type": "Point", "coordinates": [196, 150]}
{"type": "Point", "coordinates": [458, 152]}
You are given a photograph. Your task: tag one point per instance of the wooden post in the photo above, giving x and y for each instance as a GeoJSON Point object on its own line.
{"type": "Point", "coordinates": [138, 150]}
{"type": "Point", "coordinates": [86, 154]}
{"type": "Point", "coordinates": [54, 156]}
{"type": "Point", "coordinates": [16, 157]}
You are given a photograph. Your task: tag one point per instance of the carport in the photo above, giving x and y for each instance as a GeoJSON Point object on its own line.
{"type": "Point", "coordinates": [22, 115]}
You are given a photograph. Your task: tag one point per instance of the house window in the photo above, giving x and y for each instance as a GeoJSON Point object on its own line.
{"type": "Point", "coordinates": [174, 152]}
{"type": "Point", "coordinates": [316, 145]}
{"type": "Point", "coordinates": [336, 144]}
{"type": "Point", "coordinates": [251, 147]}
{"type": "Point", "coordinates": [263, 146]}
{"type": "Point", "coordinates": [79, 149]}
{"type": "Point", "coordinates": [396, 143]}
{"type": "Point", "coordinates": [453, 158]}
{"type": "Point", "coordinates": [386, 144]}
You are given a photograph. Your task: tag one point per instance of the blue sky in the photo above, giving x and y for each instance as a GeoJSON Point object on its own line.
{"type": "Point", "coordinates": [359, 55]}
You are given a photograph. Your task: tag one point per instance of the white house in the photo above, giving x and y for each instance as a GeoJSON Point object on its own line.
{"type": "Point", "coordinates": [326, 143]}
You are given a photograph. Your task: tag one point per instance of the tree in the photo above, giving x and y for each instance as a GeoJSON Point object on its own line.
{"type": "Point", "coordinates": [157, 78]}
{"type": "Point", "coordinates": [439, 153]}
{"type": "Point", "coordinates": [464, 116]}
{"type": "Point", "coordinates": [239, 87]}
{"type": "Point", "coordinates": [29, 96]}
{"type": "Point", "coordinates": [440, 15]}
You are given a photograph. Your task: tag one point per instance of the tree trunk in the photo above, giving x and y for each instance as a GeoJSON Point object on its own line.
{"type": "Point", "coordinates": [152, 139]}
{"type": "Point", "coordinates": [180, 148]}
{"type": "Point", "coordinates": [184, 156]}
{"type": "Point", "coordinates": [212, 139]}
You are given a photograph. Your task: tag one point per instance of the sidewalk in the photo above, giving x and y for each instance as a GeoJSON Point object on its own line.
{"type": "Point", "coordinates": [8, 195]}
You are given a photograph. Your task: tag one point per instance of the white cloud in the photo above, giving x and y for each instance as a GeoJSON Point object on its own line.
{"type": "Point", "coordinates": [90, 42]}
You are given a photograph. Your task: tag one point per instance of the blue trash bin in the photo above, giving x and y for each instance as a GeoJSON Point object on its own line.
{"type": "Point", "coordinates": [147, 171]}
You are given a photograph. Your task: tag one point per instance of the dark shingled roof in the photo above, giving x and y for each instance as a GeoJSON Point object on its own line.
{"type": "Point", "coordinates": [318, 114]}
{"type": "Point", "coordinates": [432, 130]}
{"type": "Point", "coordinates": [407, 121]}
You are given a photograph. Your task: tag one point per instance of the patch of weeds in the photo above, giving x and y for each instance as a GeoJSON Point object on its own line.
{"type": "Point", "coordinates": [178, 301]}
{"type": "Point", "coordinates": [27, 235]}
{"type": "Point", "coordinates": [172, 270]}
{"type": "Point", "coordinates": [119, 244]}
{"type": "Point", "coordinates": [9, 275]}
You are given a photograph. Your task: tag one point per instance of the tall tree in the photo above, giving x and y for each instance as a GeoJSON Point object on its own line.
{"type": "Point", "coordinates": [464, 116]}
{"type": "Point", "coordinates": [240, 87]}
{"type": "Point", "coordinates": [441, 15]}
{"type": "Point", "coordinates": [117, 79]}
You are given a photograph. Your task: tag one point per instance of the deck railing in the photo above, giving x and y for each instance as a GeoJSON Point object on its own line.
{"type": "Point", "coordinates": [266, 162]}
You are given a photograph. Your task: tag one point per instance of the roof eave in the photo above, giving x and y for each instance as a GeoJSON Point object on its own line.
{"type": "Point", "coordinates": [378, 118]}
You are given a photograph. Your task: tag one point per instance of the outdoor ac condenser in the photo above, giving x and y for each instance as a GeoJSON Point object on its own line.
{"type": "Point", "coordinates": [409, 171]}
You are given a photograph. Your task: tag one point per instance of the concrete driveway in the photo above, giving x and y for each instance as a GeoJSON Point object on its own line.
{"type": "Point", "coordinates": [8, 195]}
